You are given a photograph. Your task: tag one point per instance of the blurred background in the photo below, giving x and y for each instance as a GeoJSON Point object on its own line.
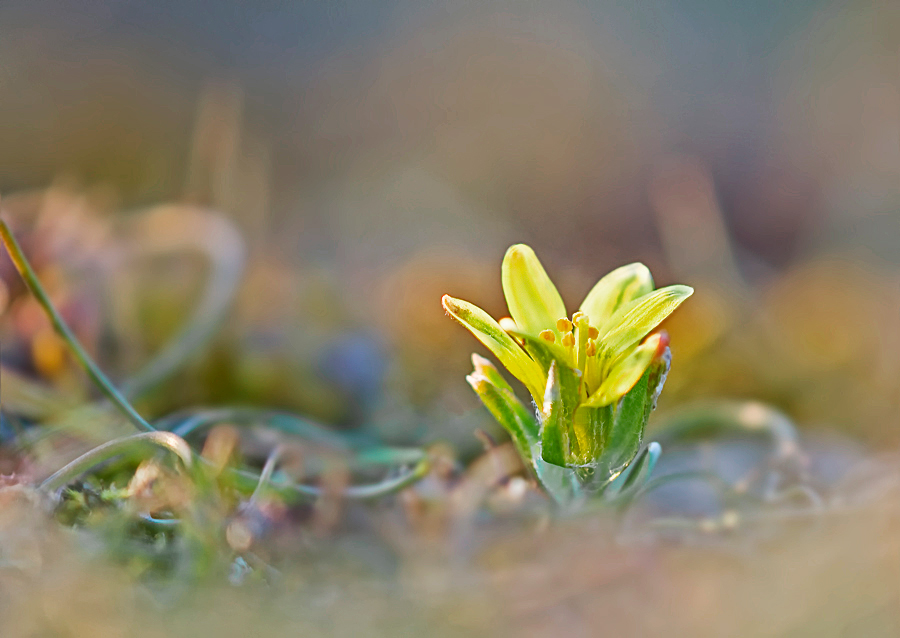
{"type": "Point", "coordinates": [377, 155]}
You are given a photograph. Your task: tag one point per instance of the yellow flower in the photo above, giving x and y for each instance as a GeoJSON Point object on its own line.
{"type": "Point", "coordinates": [581, 368]}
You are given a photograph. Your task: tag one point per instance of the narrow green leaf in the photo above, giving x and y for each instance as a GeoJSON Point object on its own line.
{"type": "Point", "coordinates": [560, 483]}
{"type": "Point", "coordinates": [631, 415]}
{"type": "Point", "coordinates": [489, 332]}
{"type": "Point", "coordinates": [554, 433]}
{"type": "Point", "coordinates": [485, 368]}
{"type": "Point", "coordinates": [635, 321]}
{"type": "Point", "coordinates": [640, 473]}
{"type": "Point", "coordinates": [508, 411]}
{"type": "Point", "coordinates": [636, 474]}
{"type": "Point", "coordinates": [615, 290]}
{"type": "Point", "coordinates": [533, 300]}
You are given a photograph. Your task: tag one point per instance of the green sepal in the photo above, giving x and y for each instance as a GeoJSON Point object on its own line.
{"type": "Point", "coordinates": [631, 416]}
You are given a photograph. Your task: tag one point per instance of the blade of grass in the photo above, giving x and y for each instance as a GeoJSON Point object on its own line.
{"type": "Point", "coordinates": [110, 449]}
{"type": "Point", "coordinates": [59, 324]}
{"type": "Point", "coordinates": [172, 229]}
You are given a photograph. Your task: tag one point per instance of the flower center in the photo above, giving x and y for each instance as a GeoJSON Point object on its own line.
{"type": "Point", "coordinates": [579, 338]}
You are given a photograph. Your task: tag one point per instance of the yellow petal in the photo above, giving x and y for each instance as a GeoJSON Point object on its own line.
{"type": "Point", "coordinates": [615, 290]}
{"type": "Point", "coordinates": [489, 332]}
{"type": "Point", "coordinates": [633, 322]}
{"type": "Point", "coordinates": [533, 300]}
{"type": "Point", "coordinates": [626, 373]}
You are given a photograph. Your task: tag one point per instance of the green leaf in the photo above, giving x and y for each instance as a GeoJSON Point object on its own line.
{"type": "Point", "coordinates": [592, 427]}
{"type": "Point", "coordinates": [559, 482]}
{"type": "Point", "coordinates": [554, 429]}
{"type": "Point", "coordinates": [629, 421]}
{"type": "Point", "coordinates": [615, 290]}
{"type": "Point", "coordinates": [489, 332]}
{"type": "Point", "coordinates": [619, 429]}
{"type": "Point", "coordinates": [533, 300]}
{"type": "Point", "coordinates": [625, 373]}
{"type": "Point", "coordinates": [508, 411]}
{"type": "Point", "coordinates": [635, 321]}
{"type": "Point", "coordinates": [636, 474]}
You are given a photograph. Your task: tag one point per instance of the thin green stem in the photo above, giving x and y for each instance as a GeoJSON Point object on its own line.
{"type": "Point", "coordinates": [244, 480]}
{"type": "Point", "coordinates": [84, 359]}
{"type": "Point", "coordinates": [266, 475]}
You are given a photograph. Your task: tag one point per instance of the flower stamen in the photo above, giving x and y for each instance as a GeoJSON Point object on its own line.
{"type": "Point", "coordinates": [547, 335]}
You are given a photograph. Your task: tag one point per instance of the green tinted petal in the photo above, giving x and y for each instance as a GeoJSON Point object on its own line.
{"type": "Point", "coordinates": [489, 332]}
{"type": "Point", "coordinates": [533, 300]}
{"type": "Point", "coordinates": [635, 321]}
{"type": "Point", "coordinates": [625, 374]}
{"type": "Point", "coordinates": [615, 290]}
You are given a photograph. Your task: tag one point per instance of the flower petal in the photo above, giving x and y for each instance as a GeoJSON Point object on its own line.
{"type": "Point", "coordinates": [548, 354]}
{"type": "Point", "coordinates": [533, 300]}
{"type": "Point", "coordinates": [626, 373]}
{"type": "Point", "coordinates": [615, 290]}
{"type": "Point", "coordinates": [633, 322]}
{"type": "Point", "coordinates": [489, 332]}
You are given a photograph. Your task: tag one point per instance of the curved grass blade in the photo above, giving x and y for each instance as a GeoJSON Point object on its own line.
{"type": "Point", "coordinates": [168, 229]}
{"type": "Point", "coordinates": [106, 451]}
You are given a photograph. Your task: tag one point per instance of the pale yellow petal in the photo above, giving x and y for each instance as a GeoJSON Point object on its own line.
{"type": "Point", "coordinates": [615, 290]}
{"type": "Point", "coordinates": [533, 300]}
